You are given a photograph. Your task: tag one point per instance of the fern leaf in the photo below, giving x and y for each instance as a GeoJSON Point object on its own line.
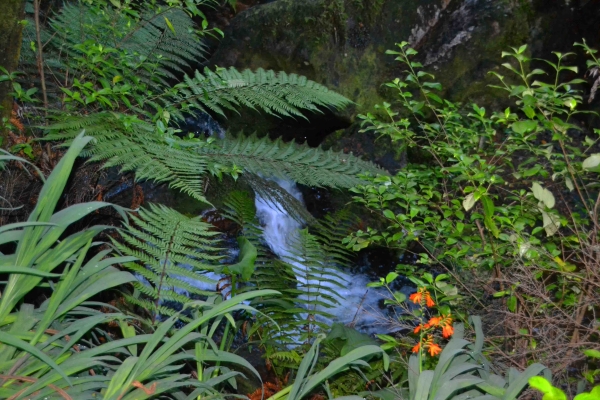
{"type": "Point", "coordinates": [274, 93]}
{"type": "Point", "coordinates": [290, 161]}
{"type": "Point", "coordinates": [163, 240]}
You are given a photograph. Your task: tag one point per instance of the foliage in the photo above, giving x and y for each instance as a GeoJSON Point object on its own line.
{"type": "Point", "coordinates": [175, 252]}
{"type": "Point", "coordinates": [462, 372]}
{"type": "Point", "coordinates": [61, 348]}
{"type": "Point", "coordinates": [35, 339]}
{"type": "Point", "coordinates": [553, 393]}
{"type": "Point", "coordinates": [306, 381]}
{"type": "Point", "coordinates": [115, 68]}
{"type": "Point", "coordinates": [508, 199]}
{"type": "Point", "coordinates": [275, 93]}
{"type": "Point", "coordinates": [105, 57]}
{"type": "Point", "coordinates": [307, 279]}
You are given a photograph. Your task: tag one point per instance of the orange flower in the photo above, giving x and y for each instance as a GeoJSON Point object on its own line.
{"type": "Point", "coordinates": [416, 297]}
{"type": "Point", "coordinates": [416, 348]}
{"type": "Point", "coordinates": [447, 331]}
{"type": "Point", "coordinates": [418, 328]}
{"type": "Point", "coordinates": [420, 295]}
{"type": "Point", "coordinates": [445, 322]}
{"type": "Point", "coordinates": [429, 301]}
{"type": "Point", "coordinates": [434, 321]}
{"type": "Point", "coordinates": [434, 349]}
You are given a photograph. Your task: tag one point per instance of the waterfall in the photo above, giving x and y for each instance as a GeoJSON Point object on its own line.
{"type": "Point", "coordinates": [358, 305]}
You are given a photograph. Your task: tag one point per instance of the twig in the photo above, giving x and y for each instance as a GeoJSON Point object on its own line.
{"type": "Point", "coordinates": [40, 56]}
{"type": "Point", "coordinates": [351, 324]}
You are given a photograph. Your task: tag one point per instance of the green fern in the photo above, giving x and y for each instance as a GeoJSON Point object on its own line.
{"type": "Point", "coordinates": [164, 241]}
{"type": "Point", "coordinates": [134, 145]}
{"type": "Point", "coordinates": [110, 49]}
{"type": "Point", "coordinates": [285, 359]}
{"type": "Point", "coordinates": [140, 51]}
{"type": "Point", "coordinates": [275, 93]}
{"type": "Point", "coordinates": [300, 163]}
{"type": "Point", "coordinates": [306, 280]}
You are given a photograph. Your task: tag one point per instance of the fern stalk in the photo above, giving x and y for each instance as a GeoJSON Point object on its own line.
{"type": "Point", "coordinates": [164, 271]}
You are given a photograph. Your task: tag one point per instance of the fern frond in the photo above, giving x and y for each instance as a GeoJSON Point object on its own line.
{"type": "Point", "coordinates": [134, 145]}
{"type": "Point", "coordinates": [142, 44]}
{"type": "Point", "coordinates": [330, 231]}
{"type": "Point", "coordinates": [290, 161]}
{"type": "Point", "coordinates": [166, 243]}
{"type": "Point", "coordinates": [307, 280]}
{"type": "Point", "coordinates": [275, 93]}
{"type": "Point", "coordinates": [288, 357]}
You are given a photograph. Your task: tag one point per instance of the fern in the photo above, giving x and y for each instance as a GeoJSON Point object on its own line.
{"type": "Point", "coordinates": [290, 161]}
{"type": "Point", "coordinates": [134, 145]}
{"type": "Point", "coordinates": [274, 93]}
{"type": "Point", "coordinates": [141, 51]}
{"type": "Point", "coordinates": [307, 279]}
{"type": "Point", "coordinates": [286, 359]}
{"type": "Point", "coordinates": [173, 250]}
{"type": "Point", "coordinates": [111, 50]}
{"type": "Point", "coordinates": [129, 60]}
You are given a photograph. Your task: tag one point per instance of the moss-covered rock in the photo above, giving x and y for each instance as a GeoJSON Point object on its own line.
{"type": "Point", "coordinates": [342, 43]}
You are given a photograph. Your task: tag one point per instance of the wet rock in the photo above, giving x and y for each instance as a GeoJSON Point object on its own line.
{"type": "Point", "coordinates": [341, 44]}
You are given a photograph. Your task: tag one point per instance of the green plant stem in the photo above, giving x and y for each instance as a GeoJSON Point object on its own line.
{"type": "Point", "coordinates": [226, 331]}
{"type": "Point", "coordinates": [281, 393]}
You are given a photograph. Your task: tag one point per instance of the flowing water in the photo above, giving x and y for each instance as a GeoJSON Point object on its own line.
{"type": "Point", "coordinates": [358, 306]}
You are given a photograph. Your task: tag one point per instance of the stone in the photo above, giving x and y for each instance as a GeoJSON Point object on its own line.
{"type": "Point", "coordinates": [342, 44]}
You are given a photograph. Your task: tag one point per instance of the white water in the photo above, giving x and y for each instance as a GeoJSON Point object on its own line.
{"type": "Point", "coordinates": [358, 305]}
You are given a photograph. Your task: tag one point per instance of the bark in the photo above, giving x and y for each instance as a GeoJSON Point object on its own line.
{"type": "Point", "coordinates": [10, 49]}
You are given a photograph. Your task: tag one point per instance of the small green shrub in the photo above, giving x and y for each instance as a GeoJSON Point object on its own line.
{"type": "Point", "coordinates": [504, 202]}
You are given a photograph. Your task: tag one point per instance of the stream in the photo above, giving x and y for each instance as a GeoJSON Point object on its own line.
{"type": "Point", "coordinates": [359, 306]}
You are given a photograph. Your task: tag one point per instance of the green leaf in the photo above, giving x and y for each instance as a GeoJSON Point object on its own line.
{"type": "Point", "coordinates": [532, 171]}
{"type": "Point", "coordinates": [469, 201]}
{"type": "Point", "coordinates": [512, 303]}
{"type": "Point", "coordinates": [529, 112]}
{"type": "Point", "coordinates": [27, 271]}
{"type": "Point", "coordinates": [520, 383]}
{"type": "Point", "coordinates": [423, 385]}
{"type": "Point", "coordinates": [11, 340]}
{"type": "Point", "coordinates": [524, 126]}
{"type": "Point", "coordinates": [245, 267]}
{"type": "Point", "coordinates": [170, 25]}
{"type": "Point", "coordinates": [488, 212]}
{"type": "Point", "coordinates": [592, 353]}
{"type": "Point", "coordinates": [399, 297]}
{"type": "Point", "coordinates": [540, 383]}
{"type": "Point", "coordinates": [390, 277]}
{"type": "Point", "coordinates": [389, 214]}
{"type": "Point", "coordinates": [591, 162]}
{"type": "Point", "coordinates": [454, 385]}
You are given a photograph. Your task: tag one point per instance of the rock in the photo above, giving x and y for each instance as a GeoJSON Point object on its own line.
{"type": "Point", "coordinates": [342, 43]}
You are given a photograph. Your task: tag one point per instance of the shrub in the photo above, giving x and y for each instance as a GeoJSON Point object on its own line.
{"type": "Point", "coordinates": [505, 203]}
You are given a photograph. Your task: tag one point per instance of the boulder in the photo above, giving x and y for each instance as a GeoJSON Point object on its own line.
{"type": "Point", "coordinates": [342, 44]}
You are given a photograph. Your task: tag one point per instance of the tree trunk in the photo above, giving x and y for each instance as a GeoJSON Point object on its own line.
{"type": "Point", "coordinates": [10, 49]}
